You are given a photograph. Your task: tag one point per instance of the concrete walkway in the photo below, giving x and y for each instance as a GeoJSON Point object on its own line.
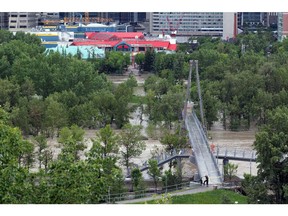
{"type": "Point", "coordinates": [199, 189]}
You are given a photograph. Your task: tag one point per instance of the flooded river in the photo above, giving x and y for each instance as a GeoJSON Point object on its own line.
{"type": "Point", "coordinates": [220, 137]}
{"type": "Point", "coordinates": [223, 139]}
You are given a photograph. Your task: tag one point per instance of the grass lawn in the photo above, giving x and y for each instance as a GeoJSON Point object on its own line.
{"type": "Point", "coordinates": [220, 196]}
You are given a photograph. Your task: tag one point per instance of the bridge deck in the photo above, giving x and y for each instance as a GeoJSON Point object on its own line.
{"type": "Point", "coordinates": [205, 160]}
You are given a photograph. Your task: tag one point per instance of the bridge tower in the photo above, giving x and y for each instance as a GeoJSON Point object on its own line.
{"type": "Point", "coordinates": [194, 63]}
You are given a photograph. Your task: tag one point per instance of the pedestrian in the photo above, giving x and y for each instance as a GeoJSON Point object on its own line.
{"type": "Point", "coordinates": [206, 180]}
{"type": "Point", "coordinates": [212, 148]}
{"type": "Point", "coordinates": [201, 181]}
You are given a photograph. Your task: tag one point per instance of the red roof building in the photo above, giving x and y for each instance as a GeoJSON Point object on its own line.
{"type": "Point", "coordinates": [114, 35]}
{"type": "Point", "coordinates": [124, 41]}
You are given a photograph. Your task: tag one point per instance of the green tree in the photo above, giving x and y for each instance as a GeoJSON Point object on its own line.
{"type": "Point", "coordinates": [68, 182]}
{"type": "Point", "coordinates": [73, 142]}
{"type": "Point", "coordinates": [20, 116]}
{"type": "Point", "coordinates": [105, 176]}
{"type": "Point", "coordinates": [230, 170]}
{"type": "Point", "coordinates": [123, 95]}
{"type": "Point", "coordinates": [256, 190]}
{"type": "Point", "coordinates": [5, 36]}
{"type": "Point", "coordinates": [139, 60]}
{"type": "Point", "coordinates": [154, 171]}
{"type": "Point", "coordinates": [55, 116]}
{"type": "Point", "coordinates": [149, 60]}
{"type": "Point", "coordinates": [9, 93]}
{"type": "Point", "coordinates": [41, 143]}
{"type": "Point", "coordinates": [137, 181]}
{"type": "Point", "coordinates": [15, 187]}
{"type": "Point", "coordinates": [105, 102]}
{"type": "Point", "coordinates": [131, 143]}
{"type": "Point", "coordinates": [271, 147]}
{"type": "Point", "coordinates": [108, 141]}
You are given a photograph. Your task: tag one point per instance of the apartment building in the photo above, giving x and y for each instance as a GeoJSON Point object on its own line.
{"type": "Point", "coordinates": [22, 20]}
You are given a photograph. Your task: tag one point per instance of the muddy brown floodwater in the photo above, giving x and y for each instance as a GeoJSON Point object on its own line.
{"type": "Point", "coordinates": [242, 140]}
{"type": "Point", "coordinates": [223, 139]}
{"type": "Point", "coordinates": [220, 137]}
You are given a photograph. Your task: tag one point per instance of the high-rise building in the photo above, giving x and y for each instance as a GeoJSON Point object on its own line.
{"type": "Point", "coordinates": [127, 17]}
{"type": "Point", "coordinates": [230, 26]}
{"type": "Point", "coordinates": [252, 20]}
{"type": "Point", "coordinates": [186, 23]}
{"type": "Point", "coordinates": [22, 20]}
{"type": "Point", "coordinates": [282, 25]}
{"type": "Point", "coordinates": [4, 19]}
{"type": "Point", "coordinates": [272, 20]}
{"type": "Point", "coordinates": [119, 17]}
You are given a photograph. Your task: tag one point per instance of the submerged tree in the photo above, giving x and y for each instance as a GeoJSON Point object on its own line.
{"type": "Point", "coordinates": [154, 171]}
{"type": "Point", "coordinates": [132, 145]}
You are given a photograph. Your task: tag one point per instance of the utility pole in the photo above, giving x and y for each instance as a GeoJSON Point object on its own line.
{"type": "Point", "coordinates": [109, 194]}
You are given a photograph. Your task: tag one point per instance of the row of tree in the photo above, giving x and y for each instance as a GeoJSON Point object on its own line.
{"type": "Point", "coordinates": [46, 92]}
{"type": "Point", "coordinates": [31, 172]}
{"type": "Point", "coordinates": [243, 81]}
{"type": "Point", "coordinates": [240, 80]}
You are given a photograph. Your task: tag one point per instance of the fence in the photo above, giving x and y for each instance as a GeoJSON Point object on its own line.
{"type": "Point", "coordinates": [113, 198]}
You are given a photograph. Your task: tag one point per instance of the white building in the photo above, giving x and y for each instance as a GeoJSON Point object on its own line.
{"type": "Point", "coordinates": [187, 23]}
{"type": "Point", "coordinates": [229, 25]}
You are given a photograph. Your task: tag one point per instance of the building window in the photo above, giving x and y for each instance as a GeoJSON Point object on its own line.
{"type": "Point", "coordinates": [21, 26]}
{"type": "Point", "coordinates": [23, 15]}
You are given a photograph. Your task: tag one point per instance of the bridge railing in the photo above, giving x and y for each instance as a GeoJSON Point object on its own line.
{"type": "Point", "coordinates": [195, 148]}
{"type": "Point", "coordinates": [235, 153]}
{"type": "Point", "coordinates": [165, 157]}
{"type": "Point", "coordinates": [204, 138]}
{"type": "Point", "coordinates": [112, 198]}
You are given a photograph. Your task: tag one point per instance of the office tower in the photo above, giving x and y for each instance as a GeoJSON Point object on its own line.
{"type": "Point", "coordinates": [4, 19]}
{"type": "Point", "coordinates": [282, 25]}
{"type": "Point", "coordinates": [272, 20]}
{"type": "Point", "coordinates": [252, 20]}
{"type": "Point", "coordinates": [187, 23]}
{"type": "Point", "coordinates": [127, 17]}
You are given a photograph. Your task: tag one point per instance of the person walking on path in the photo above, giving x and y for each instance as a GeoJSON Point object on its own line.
{"type": "Point", "coordinates": [206, 180]}
{"type": "Point", "coordinates": [212, 148]}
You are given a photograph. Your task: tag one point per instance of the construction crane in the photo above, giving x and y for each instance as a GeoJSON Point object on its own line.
{"type": "Point", "coordinates": [173, 29]}
{"type": "Point", "coordinates": [86, 19]}
{"type": "Point", "coordinates": [77, 17]}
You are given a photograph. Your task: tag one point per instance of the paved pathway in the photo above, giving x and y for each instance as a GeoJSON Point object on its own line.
{"type": "Point", "coordinates": [175, 193]}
